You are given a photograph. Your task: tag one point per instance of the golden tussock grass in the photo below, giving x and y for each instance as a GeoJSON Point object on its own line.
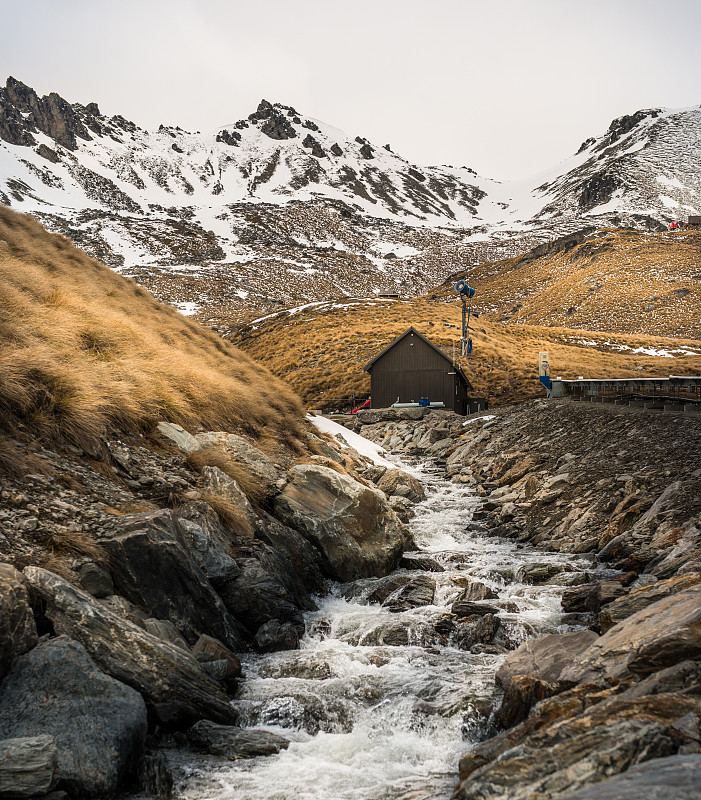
{"type": "Point", "coordinates": [322, 355]}
{"type": "Point", "coordinates": [84, 351]}
{"type": "Point", "coordinates": [246, 480]}
{"type": "Point", "coordinates": [232, 516]}
{"type": "Point", "coordinates": [73, 544]}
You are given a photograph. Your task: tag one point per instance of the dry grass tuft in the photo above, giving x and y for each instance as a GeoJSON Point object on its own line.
{"type": "Point", "coordinates": [16, 462]}
{"type": "Point", "coordinates": [73, 544]}
{"type": "Point", "coordinates": [84, 351]}
{"type": "Point", "coordinates": [232, 516]}
{"type": "Point", "coordinates": [215, 457]}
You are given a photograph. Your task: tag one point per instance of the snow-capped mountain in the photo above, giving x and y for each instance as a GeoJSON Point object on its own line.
{"type": "Point", "coordinates": [282, 208]}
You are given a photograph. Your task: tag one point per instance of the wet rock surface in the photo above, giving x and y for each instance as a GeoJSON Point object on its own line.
{"type": "Point", "coordinates": [97, 723]}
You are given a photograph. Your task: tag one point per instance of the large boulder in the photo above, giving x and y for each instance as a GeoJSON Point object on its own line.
{"type": "Point", "coordinates": [655, 637]}
{"type": "Point", "coordinates": [18, 632]}
{"type": "Point", "coordinates": [27, 766]}
{"type": "Point", "coordinates": [397, 483]}
{"type": "Point", "coordinates": [674, 777]}
{"type": "Point", "coordinates": [98, 723]}
{"type": "Point", "coordinates": [153, 568]}
{"type": "Point", "coordinates": [170, 679]}
{"type": "Point", "coordinates": [353, 527]}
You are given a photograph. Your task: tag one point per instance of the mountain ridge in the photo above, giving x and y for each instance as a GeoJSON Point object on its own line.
{"type": "Point", "coordinates": [280, 209]}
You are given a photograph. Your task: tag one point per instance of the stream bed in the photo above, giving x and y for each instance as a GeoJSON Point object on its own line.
{"type": "Point", "coordinates": [380, 704]}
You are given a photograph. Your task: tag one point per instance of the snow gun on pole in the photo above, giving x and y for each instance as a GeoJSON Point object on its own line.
{"type": "Point", "coordinates": [466, 294]}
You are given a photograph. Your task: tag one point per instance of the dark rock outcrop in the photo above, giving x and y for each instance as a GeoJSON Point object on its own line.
{"type": "Point", "coordinates": [152, 568]}
{"type": "Point", "coordinates": [274, 635]}
{"type": "Point", "coordinates": [98, 723]}
{"type": "Point", "coordinates": [170, 679]}
{"type": "Point", "coordinates": [312, 144]}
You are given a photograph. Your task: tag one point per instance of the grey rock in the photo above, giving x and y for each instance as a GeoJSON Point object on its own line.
{"type": "Point", "coordinates": [95, 580]}
{"type": "Point", "coordinates": [170, 680]}
{"type": "Point", "coordinates": [98, 723]}
{"type": "Point", "coordinates": [417, 561]}
{"type": "Point", "coordinates": [672, 778]}
{"type": "Point", "coordinates": [209, 651]}
{"type": "Point", "coordinates": [539, 573]}
{"type": "Point", "coordinates": [18, 632]}
{"type": "Point", "coordinates": [232, 743]}
{"type": "Point", "coordinates": [470, 634]}
{"type": "Point", "coordinates": [476, 590]}
{"type": "Point", "coordinates": [164, 629]}
{"type": "Point", "coordinates": [419, 591]}
{"type": "Point", "coordinates": [178, 436]}
{"type": "Point", "coordinates": [275, 635]}
{"type": "Point", "coordinates": [472, 608]}
{"type": "Point", "coordinates": [153, 569]}
{"type": "Point", "coordinates": [27, 766]}
{"type": "Point", "coordinates": [351, 524]}
{"type": "Point", "coordinates": [397, 483]}
{"type": "Point", "coordinates": [217, 565]}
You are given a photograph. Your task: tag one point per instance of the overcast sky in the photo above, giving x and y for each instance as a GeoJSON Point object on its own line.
{"type": "Point", "coordinates": [508, 88]}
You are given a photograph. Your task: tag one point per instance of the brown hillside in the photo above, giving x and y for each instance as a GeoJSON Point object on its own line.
{"type": "Point", "coordinates": [613, 280]}
{"type": "Point", "coordinates": [321, 351]}
{"type": "Point", "coordinates": [84, 351]}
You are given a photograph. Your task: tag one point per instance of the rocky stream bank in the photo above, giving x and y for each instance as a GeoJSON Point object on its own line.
{"type": "Point", "coordinates": [528, 606]}
{"type": "Point", "coordinates": [623, 688]}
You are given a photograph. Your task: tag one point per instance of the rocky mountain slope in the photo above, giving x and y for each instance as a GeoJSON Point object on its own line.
{"type": "Point", "coordinates": [279, 208]}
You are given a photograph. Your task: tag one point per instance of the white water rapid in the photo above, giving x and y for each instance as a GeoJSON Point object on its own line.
{"type": "Point", "coordinates": [369, 721]}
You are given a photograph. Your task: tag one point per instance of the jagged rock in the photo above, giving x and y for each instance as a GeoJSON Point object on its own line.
{"type": "Point", "coordinates": [274, 635]}
{"type": "Point", "coordinates": [476, 590]}
{"type": "Point", "coordinates": [164, 629]}
{"type": "Point", "coordinates": [48, 153]}
{"type": "Point", "coordinates": [390, 634]}
{"type": "Point", "coordinates": [468, 634]}
{"type": "Point", "coordinates": [351, 524]}
{"type": "Point", "coordinates": [95, 580]}
{"type": "Point", "coordinates": [98, 723]}
{"type": "Point", "coordinates": [218, 651]}
{"type": "Point", "coordinates": [312, 144]}
{"type": "Point", "coordinates": [419, 591]}
{"type": "Point", "coordinates": [655, 637]}
{"type": "Point", "coordinates": [232, 138]}
{"type": "Point", "coordinates": [366, 151]}
{"type": "Point", "coordinates": [638, 599]}
{"type": "Point", "coordinates": [471, 608]}
{"type": "Point", "coordinates": [544, 658]}
{"type": "Point", "coordinates": [401, 484]}
{"type": "Point", "coordinates": [217, 565]}
{"type": "Point", "coordinates": [152, 568]}
{"type": "Point", "coordinates": [417, 561]}
{"type": "Point", "coordinates": [591, 596]}
{"type": "Point", "coordinates": [170, 680]}
{"type": "Point", "coordinates": [27, 766]}
{"type": "Point", "coordinates": [336, 149]}
{"type": "Point", "coordinates": [178, 436]}
{"type": "Point", "coordinates": [233, 743]}
{"type": "Point", "coordinates": [675, 777]}
{"type": "Point", "coordinates": [18, 632]}
{"type": "Point", "coordinates": [539, 573]}
{"type": "Point", "coordinates": [402, 507]}
{"type": "Point", "coordinates": [380, 589]}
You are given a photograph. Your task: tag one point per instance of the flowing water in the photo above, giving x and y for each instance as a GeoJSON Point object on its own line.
{"type": "Point", "coordinates": [369, 720]}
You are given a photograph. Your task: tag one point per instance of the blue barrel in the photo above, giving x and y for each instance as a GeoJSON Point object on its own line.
{"type": "Point", "coordinates": [462, 288]}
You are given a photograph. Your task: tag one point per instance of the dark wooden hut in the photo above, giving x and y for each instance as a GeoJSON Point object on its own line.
{"type": "Point", "coordinates": [412, 367]}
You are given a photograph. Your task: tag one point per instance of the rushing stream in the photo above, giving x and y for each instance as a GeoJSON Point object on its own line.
{"type": "Point", "coordinates": [371, 721]}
